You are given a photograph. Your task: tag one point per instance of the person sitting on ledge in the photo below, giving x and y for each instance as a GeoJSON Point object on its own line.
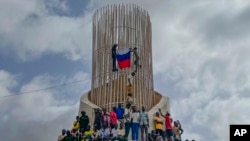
{"type": "Point", "coordinates": [114, 133]}
{"type": "Point", "coordinates": [94, 135]}
{"type": "Point", "coordinates": [68, 136]}
{"type": "Point", "coordinates": [60, 137]}
{"type": "Point", "coordinates": [106, 132]}
{"type": "Point", "coordinates": [121, 134]}
{"type": "Point", "coordinates": [88, 133]}
{"type": "Point", "coordinates": [153, 136]}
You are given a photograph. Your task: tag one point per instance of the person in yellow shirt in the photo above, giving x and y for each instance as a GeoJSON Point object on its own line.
{"type": "Point", "coordinates": [88, 133]}
{"type": "Point", "coordinates": [158, 124]}
{"type": "Point", "coordinates": [76, 124]}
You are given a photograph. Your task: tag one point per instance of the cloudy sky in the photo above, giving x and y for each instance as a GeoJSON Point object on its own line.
{"type": "Point", "coordinates": [201, 53]}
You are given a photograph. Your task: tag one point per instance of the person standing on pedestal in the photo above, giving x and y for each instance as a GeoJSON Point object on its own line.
{"type": "Point", "coordinates": [168, 125]}
{"type": "Point", "coordinates": [144, 123]}
{"type": "Point", "coordinates": [127, 117]}
{"type": "Point", "coordinates": [84, 121]}
{"type": "Point", "coordinates": [120, 113]}
{"type": "Point", "coordinates": [135, 123]}
{"type": "Point", "coordinates": [113, 118]}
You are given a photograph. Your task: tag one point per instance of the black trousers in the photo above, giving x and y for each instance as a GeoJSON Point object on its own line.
{"type": "Point", "coordinates": [114, 63]}
{"type": "Point", "coordinates": [144, 130]}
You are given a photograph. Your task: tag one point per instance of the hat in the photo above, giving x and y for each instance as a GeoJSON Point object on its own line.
{"type": "Point", "coordinates": [83, 112]}
{"type": "Point", "coordinates": [63, 130]}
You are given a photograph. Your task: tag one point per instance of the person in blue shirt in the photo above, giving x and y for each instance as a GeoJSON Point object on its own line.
{"type": "Point", "coordinates": [120, 112]}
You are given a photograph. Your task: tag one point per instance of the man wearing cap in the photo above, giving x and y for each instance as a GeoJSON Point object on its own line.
{"type": "Point", "coordinates": [84, 121]}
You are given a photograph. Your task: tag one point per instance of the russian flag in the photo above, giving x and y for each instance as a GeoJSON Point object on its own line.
{"type": "Point", "coordinates": [123, 58]}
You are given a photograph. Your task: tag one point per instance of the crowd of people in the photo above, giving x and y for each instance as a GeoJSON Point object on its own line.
{"type": "Point", "coordinates": [116, 125]}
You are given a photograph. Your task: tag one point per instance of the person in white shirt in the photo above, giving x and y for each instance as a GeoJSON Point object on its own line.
{"type": "Point", "coordinates": [135, 123]}
{"type": "Point", "coordinates": [114, 133]}
{"type": "Point", "coordinates": [94, 135]}
{"type": "Point", "coordinates": [127, 117]}
{"type": "Point", "coordinates": [100, 134]}
{"type": "Point", "coordinates": [106, 132]}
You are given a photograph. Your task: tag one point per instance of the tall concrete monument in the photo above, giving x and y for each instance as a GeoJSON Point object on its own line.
{"type": "Point", "coordinates": [128, 26]}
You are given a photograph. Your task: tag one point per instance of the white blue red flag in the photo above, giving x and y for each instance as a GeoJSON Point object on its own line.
{"type": "Point", "coordinates": [123, 58]}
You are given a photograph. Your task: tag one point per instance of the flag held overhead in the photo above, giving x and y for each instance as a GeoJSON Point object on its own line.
{"type": "Point", "coordinates": [123, 58]}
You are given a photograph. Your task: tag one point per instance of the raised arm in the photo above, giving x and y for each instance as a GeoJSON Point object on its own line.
{"type": "Point", "coordinates": [180, 127]}
{"type": "Point", "coordinates": [161, 113]}
{"type": "Point", "coordinates": [181, 131]}
{"type": "Point", "coordinates": [179, 123]}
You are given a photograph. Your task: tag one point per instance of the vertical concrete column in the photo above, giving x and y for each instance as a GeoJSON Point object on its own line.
{"type": "Point", "coordinates": [128, 26]}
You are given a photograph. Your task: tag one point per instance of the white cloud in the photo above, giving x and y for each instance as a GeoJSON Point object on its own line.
{"type": "Point", "coordinates": [7, 81]}
{"type": "Point", "coordinates": [31, 31]}
{"type": "Point", "coordinates": [13, 11]}
{"type": "Point", "coordinates": [41, 107]}
{"type": "Point", "coordinates": [45, 102]}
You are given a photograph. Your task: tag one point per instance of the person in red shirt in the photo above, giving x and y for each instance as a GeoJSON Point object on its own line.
{"type": "Point", "coordinates": [113, 118]}
{"type": "Point", "coordinates": [168, 125]}
{"type": "Point", "coordinates": [105, 118]}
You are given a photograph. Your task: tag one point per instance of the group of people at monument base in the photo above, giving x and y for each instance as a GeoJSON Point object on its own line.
{"type": "Point", "coordinates": [116, 125]}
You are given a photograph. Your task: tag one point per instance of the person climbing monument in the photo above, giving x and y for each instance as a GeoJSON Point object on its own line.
{"type": "Point", "coordinates": [136, 62]}
{"type": "Point", "coordinates": [130, 88]}
{"type": "Point", "coordinates": [114, 47]}
{"type": "Point", "coordinates": [130, 78]}
{"type": "Point", "coordinates": [130, 99]}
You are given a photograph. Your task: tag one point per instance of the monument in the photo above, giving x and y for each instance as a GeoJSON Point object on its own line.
{"type": "Point", "coordinates": [129, 27]}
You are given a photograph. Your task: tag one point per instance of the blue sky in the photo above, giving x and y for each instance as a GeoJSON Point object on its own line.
{"type": "Point", "coordinates": [200, 60]}
{"type": "Point", "coordinates": [75, 8]}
